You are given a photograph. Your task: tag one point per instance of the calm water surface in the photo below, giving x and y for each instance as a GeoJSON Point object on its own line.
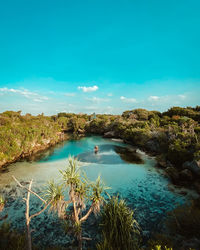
{"type": "Point", "coordinates": [142, 185]}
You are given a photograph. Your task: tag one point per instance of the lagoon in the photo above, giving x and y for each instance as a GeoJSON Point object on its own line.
{"type": "Point", "coordinates": [136, 179]}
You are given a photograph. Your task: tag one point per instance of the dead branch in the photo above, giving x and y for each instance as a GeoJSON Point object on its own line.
{"type": "Point", "coordinates": [87, 215]}
{"type": "Point", "coordinates": [85, 238]}
{"type": "Point", "coordinates": [29, 190]}
{"type": "Point", "coordinates": [42, 210]}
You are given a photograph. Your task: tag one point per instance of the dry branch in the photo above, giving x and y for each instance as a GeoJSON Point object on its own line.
{"type": "Point", "coordinates": [29, 190]}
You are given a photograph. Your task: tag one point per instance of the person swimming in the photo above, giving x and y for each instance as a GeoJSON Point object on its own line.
{"type": "Point", "coordinates": [96, 149]}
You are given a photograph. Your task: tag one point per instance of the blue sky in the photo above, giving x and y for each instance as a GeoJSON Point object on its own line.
{"type": "Point", "coordinates": [102, 56]}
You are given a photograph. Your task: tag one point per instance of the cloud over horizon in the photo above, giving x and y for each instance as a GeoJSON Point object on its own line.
{"type": "Point", "coordinates": [130, 100]}
{"type": "Point", "coordinates": [52, 96]}
{"type": "Point", "coordinates": [88, 89]}
{"type": "Point", "coordinates": [24, 93]}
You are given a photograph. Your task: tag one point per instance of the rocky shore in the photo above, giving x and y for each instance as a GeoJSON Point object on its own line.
{"type": "Point", "coordinates": [188, 175]}
{"type": "Point", "coordinates": [35, 148]}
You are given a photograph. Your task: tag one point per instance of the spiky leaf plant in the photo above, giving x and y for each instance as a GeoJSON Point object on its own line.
{"type": "Point", "coordinates": [119, 229]}
{"type": "Point", "coordinates": [98, 188]}
{"type": "Point", "coordinates": [54, 193]}
{"type": "Point", "coordinates": [71, 176]}
{"type": "Point", "coordinates": [81, 194]}
{"type": "Point", "coordinates": [2, 202]}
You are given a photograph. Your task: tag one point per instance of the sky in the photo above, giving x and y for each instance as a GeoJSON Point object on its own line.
{"type": "Point", "coordinates": [99, 56]}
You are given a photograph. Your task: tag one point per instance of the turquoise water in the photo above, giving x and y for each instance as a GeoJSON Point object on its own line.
{"type": "Point", "coordinates": [144, 187]}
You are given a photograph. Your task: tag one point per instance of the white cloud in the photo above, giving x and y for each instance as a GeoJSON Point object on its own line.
{"type": "Point", "coordinates": [110, 94]}
{"type": "Point", "coordinates": [25, 93]}
{"type": "Point", "coordinates": [129, 100]}
{"type": "Point", "coordinates": [88, 89]}
{"type": "Point", "coordinates": [153, 98]}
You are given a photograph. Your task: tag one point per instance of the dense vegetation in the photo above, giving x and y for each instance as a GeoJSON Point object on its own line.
{"type": "Point", "coordinates": [174, 136]}
{"type": "Point", "coordinates": [119, 229]}
{"type": "Point", "coordinates": [22, 136]}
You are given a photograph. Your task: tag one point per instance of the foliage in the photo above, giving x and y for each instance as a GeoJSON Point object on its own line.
{"type": "Point", "coordinates": [179, 152]}
{"type": "Point", "coordinates": [159, 247]}
{"type": "Point", "coordinates": [119, 229]}
{"type": "Point", "coordinates": [96, 197]}
{"type": "Point", "coordinates": [189, 112]}
{"type": "Point", "coordinates": [54, 193]}
{"type": "Point", "coordinates": [185, 220]}
{"type": "Point", "coordinates": [10, 239]}
{"type": "Point", "coordinates": [160, 242]}
{"type": "Point", "coordinates": [176, 132]}
{"type": "Point", "coordinates": [2, 202]}
{"type": "Point", "coordinates": [80, 189]}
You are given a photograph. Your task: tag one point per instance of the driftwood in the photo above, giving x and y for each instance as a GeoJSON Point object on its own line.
{"type": "Point", "coordinates": [27, 214]}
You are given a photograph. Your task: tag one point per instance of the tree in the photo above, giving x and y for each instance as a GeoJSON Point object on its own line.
{"type": "Point", "coordinates": [81, 188]}
{"type": "Point", "coordinates": [2, 203]}
{"type": "Point", "coordinates": [27, 215]}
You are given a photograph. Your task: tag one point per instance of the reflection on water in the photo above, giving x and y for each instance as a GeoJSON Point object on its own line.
{"type": "Point", "coordinates": [129, 173]}
{"type": "Point", "coordinates": [111, 154]}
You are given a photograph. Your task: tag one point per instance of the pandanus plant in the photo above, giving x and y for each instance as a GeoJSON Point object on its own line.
{"type": "Point", "coordinates": [54, 193]}
{"type": "Point", "coordinates": [119, 228]}
{"type": "Point", "coordinates": [80, 190]}
{"type": "Point", "coordinates": [2, 203]}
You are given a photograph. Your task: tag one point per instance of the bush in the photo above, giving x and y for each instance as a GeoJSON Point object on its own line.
{"type": "Point", "coordinates": [179, 152]}
{"type": "Point", "coordinates": [119, 229]}
{"type": "Point", "coordinates": [185, 220]}
{"type": "Point", "coordinates": [10, 239]}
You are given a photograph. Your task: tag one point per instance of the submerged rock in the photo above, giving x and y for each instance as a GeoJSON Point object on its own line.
{"type": "Point", "coordinates": [109, 134]}
{"type": "Point", "coordinates": [129, 155]}
{"type": "Point", "coordinates": [193, 166]}
{"type": "Point", "coordinates": [186, 175]}
{"type": "Point", "coordinates": [173, 174]}
{"type": "Point", "coordinates": [153, 145]}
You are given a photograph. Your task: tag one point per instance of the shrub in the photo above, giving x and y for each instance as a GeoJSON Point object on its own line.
{"type": "Point", "coordinates": [10, 239]}
{"type": "Point", "coordinates": [185, 220]}
{"type": "Point", "coordinates": [119, 229]}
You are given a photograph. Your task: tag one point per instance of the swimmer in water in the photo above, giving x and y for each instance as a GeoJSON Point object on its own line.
{"type": "Point", "coordinates": [96, 149]}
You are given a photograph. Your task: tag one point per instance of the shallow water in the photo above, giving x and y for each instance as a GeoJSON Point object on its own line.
{"type": "Point", "coordinates": [142, 185]}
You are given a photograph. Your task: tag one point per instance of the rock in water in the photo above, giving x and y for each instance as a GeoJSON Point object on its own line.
{"type": "Point", "coordinates": [109, 134]}
{"type": "Point", "coordinates": [193, 166]}
{"type": "Point", "coordinates": [186, 175]}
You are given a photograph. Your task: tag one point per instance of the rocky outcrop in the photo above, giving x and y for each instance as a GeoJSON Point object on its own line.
{"type": "Point", "coordinates": [186, 175]}
{"type": "Point", "coordinates": [153, 145]}
{"type": "Point", "coordinates": [109, 134]}
{"type": "Point", "coordinates": [173, 174]}
{"type": "Point", "coordinates": [35, 148]}
{"type": "Point", "coordinates": [193, 166]}
{"type": "Point", "coordinates": [197, 186]}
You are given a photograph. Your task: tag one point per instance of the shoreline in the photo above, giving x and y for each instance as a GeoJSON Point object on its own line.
{"type": "Point", "coordinates": [38, 148]}
{"type": "Point", "coordinates": [160, 164]}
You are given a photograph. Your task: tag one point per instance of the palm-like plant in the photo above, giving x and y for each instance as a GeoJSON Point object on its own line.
{"type": "Point", "coordinates": [2, 203]}
{"type": "Point", "coordinates": [54, 194]}
{"type": "Point", "coordinates": [98, 188]}
{"type": "Point", "coordinates": [71, 176]}
{"type": "Point", "coordinates": [80, 189]}
{"type": "Point", "coordinates": [80, 192]}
